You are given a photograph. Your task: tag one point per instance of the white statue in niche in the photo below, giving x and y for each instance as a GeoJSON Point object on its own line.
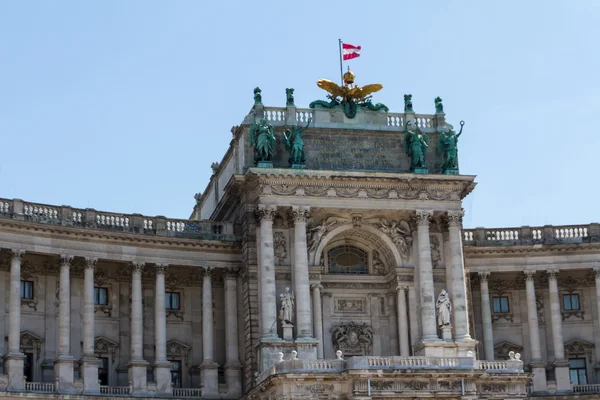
{"type": "Point", "coordinates": [286, 312]}
{"type": "Point", "coordinates": [443, 308]}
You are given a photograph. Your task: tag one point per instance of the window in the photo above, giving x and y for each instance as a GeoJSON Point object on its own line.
{"type": "Point", "coordinates": [103, 370]}
{"type": "Point", "coordinates": [577, 371]}
{"type": "Point", "coordinates": [27, 290]}
{"type": "Point", "coordinates": [347, 260]}
{"type": "Point", "coordinates": [501, 304]}
{"type": "Point", "coordinates": [175, 373]}
{"type": "Point", "coordinates": [100, 296]}
{"type": "Point", "coordinates": [571, 302]}
{"type": "Point", "coordinates": [28, 366]}
{"type": "Point", "coordinates": [172, 301]}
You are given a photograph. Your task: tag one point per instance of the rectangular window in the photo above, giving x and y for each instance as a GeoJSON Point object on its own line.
{"type": "Point", "coordinates": [500, 304]}
{"type": "Point", "coordinates": [570, 302]}
{"type": "Point", "coordinates": [175, 373]}
{"type": "Point", "coordinates": [577, 371]}
{"type": "Point", "coordinates": [27, 290]}
{"type": "Point", "coordinates": [172, 301]}
{"type": "Point", "coordinates": [100, 296]}
{"type": "Point", "coordinates": [103, 371]}
{"type": "Point", "coordinates": [28, 367]}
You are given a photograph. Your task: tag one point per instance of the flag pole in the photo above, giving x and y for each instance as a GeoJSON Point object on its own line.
{"type": "Point", "coordinates": [341, 68]}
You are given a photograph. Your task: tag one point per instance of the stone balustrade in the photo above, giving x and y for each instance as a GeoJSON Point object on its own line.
{"type": "Point", "coordinates": [527, 235]}
{"type": "Point", "coordinates": [40, 387]}
{"type": "Point", "coordinates": [586, 389]}
{"type": "Point", "coordinates": [187, 392]}
{"type": "Point", "coordinates": [391, 363]}
{"type": "Point", "coordinates": [132, 223]}
{"type": "Point", "coordinates": [115, 390]}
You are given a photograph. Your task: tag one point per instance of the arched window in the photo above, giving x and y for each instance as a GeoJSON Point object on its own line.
{"type": "Point", "coordinates": [347, 260]}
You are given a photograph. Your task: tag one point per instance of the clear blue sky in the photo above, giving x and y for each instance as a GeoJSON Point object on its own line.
{"type": "Point", "coordinates": [123, 105]}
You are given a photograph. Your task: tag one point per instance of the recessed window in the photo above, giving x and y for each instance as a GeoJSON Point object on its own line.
{"type": "Point", "coordinates": [577, 371]}
{"type": "Point", "coordinates": [175, 373]}
{"type": "Point", "coordinates": [28, 367]}
{"type": "Point", "coordinates": [172, 301]}
{"type": "Point", "coordinates": [103, 370]}
{"type": "Point", "coordinates": [500, 304]}
{"type": "Point", "coordinates": [571, 302]}
{"type": "Point", "coordinates": [100, 296]}
{"type": "Point", "coordinates": [27, 290]}
{"type": "Point", "coordinates": [347, 260]}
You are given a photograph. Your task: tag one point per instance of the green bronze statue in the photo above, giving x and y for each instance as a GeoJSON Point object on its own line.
{"type": "Point", "coordinates": [415, 145]}
{"type": "Point", "coordinates": [289, 95]}
{"type": "Point", "coordinates": [262, 137]}
{"type": "Point", "coordinates": [448, 148]}
{"type": "Point", "coordinates": [439, 107]}
{"type": "Point", "coordinates": [257, 96]}
{"type": "Point", "coordinates": [295, 145]}
{"type": "Point", "coordinates": [408, 107]}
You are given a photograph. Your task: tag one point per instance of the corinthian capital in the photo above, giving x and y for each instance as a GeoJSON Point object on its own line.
{"type": "Point", "coordinates": [300, 213]}
{"type": "Point", "coordinates": [90, 263]}
{"type": "Point", "coordinates": [161, 268]}
{"type": "Point", "coordinates": [552, 274]}
{"type": "Point", "coordinates": [137, 266]}
{"type": "Point", "coordinates": [17, 254]}
{"type": "Point", "coordinates": [597, 272]}
{"type": "Point", "coordinates": [454, 218]}
{"type": "Point", "coordinates": [529, 275]}
{"type": "Point", "coordinates": [66, 259]}
{"type": "Point", "coordinates": [422, 217]}
{"type": "Point", "coordinates": [484, 276]}
{"type": "Point", "coordinates": [266, 213]}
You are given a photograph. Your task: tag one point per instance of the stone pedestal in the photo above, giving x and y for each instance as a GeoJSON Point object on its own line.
{"type": "Point", "coordinates": [562, 376]}
{"type": "Point", "coordinates": [451, 171]}
{"type": "Point", "coordinates": [210, 380]}
{"type": "Point", "coordinates": [447, 333]}
{"type": "Point", "coordinates": [63, 374]}
{"type": "Point", "coordinates": [298, 166]}
{"type": "Point", "coordinates": [136, 370]}
{"type": "Point", "coordinates": [307, 349]}
{"type": "Point", "coordinates": [89, 373]}
{"type": "Point", "coordinates": [264, 164]}
{"type": "Point", "coordinates": [13, 367]}
{"type": "Point", "coordinates": [539, 377]}
{"type": "Point", "coordinates": [162, 377]}
{"type": "Point", "coordinates": [233, 377]}
{"type": "Point", "coordinates": [288, 331]}
{"type": "Point", "coordinates": [420, 171]}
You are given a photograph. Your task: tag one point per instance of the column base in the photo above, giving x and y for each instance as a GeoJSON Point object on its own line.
{"type": "Point", "coordinates": [162, 377]}
{"type": "Point", "coordinates": [63, 374]}
{"type": "Point", "coordinates": [210, 379]}
{"type": "Point", "coordinates": [538, 369]}
{"type": "Point", "coordinates": [138, 378]}
{"type": "Point", "coordinates": [89, 372]}
{"type": "Point", "coordinates": [14, 364]}
{"type": "Point", "coordinates": [563, 378]}
{"type": "Point", "coordinates": [233, 377]}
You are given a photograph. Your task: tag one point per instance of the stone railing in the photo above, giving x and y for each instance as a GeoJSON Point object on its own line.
{"type": "Point", "coordinates": [586, 388]}
{"type": "Point", "coordinates": [390, 363]}
{"type": "Point", "coordinates": [527, 235]}
{"type": "Point", "coordinates": [115, 390]}
{"type": "Point", "coordinates": [132, 223]}
{"type": "Point", "coordinates": [187, 392]}
{"type": "Point", "coordinates": [41, 387]}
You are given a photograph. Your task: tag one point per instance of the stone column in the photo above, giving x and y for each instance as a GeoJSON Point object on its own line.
{"type": "Point", "coordinates": [89, 362]}
{"type": "Point", "coordinates": [486, 317]}
{"type": "Point", "coordinates": [561, 365]}
{"type": "Point", "coordinates": [162, 367]}
{"type": "Point", "coordinates": [537, 365]}
{"type": "Point", "coordinates": [137, 365]}
{"type": "Point", "coordinates": [318, 318]}
{"type": "Point", "coordinates": [208, 368]}
{"type": "Point", "coordinates": [427, 291]}
{"type": "Point", "coordinates": [233, 368]}
{"type": "Point", "coordinates": [63, 365]}
{"type": "Point", "coordinates": [459, 289]}
{"type": "Point", "coordinates": [596, 272]}
{"type": "Point", "coordinates": [301, 281]}
{"type": "Point", "coordinates": [268, 295]}
{"type": "Point", "coordinates": [14, 360]}
{"type": "Point", "coordinates": [402, 320]}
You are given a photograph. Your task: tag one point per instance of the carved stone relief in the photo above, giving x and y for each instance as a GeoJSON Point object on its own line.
{"type": "Point", "coordinates": [353, 338]}
{"type": "Point", "coordinates": [350, 305]}
{"type": "Point", "coordinates": [378, 265]}
{"type": "Point", "coordinates": [436, 254]}
{"type": "Point", "coordinates": [280, 248]}
{"type": "Point", "coordinates": [502, 349]}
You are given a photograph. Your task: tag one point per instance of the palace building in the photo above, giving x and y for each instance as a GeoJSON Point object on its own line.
{"type": "Point", "coordinates": [325, 259]}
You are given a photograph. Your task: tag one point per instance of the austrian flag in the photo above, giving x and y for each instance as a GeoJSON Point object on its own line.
{"type": "Point", "coordinates": [350, 51]}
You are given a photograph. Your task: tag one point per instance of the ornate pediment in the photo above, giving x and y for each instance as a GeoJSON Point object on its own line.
{"type": "Point", "coordinates": [502, 349]}
{"type": "Point", "coordinates": [175, 348]}
{"type": "Point", "coordinates": [31, 342]}
{"type": "Point", "coordinates": [578, 346]}
{"type": "Point", "coordinates": [104, 345]}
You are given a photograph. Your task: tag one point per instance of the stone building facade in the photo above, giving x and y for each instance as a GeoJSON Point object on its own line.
{"type": "Point", "coordinates": [106, 304]}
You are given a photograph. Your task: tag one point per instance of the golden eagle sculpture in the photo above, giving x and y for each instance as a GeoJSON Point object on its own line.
{"type": "Point", "coordinates": [348, 96]}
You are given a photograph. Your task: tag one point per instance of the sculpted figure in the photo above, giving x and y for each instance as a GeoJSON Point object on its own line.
{"type": "Point", "coordinates": [443, 308]}
{"type": "Point", "coordinates": [448, 147]}
{"type": "Point", "coordinates": [317, 233]}
{"type": "Point", "coordinates": [286, 313]}
{"type": "Point", "coordinates": [400, 234]}
{"type": "Point", "coordinates": [439, 107]}
{"type": "Point", "coordinates": [408, 107]}
{"type": "Point", "coordinates": [289, 94]}
{"type": "Point", "coordinates": [415, 145]}
{"type": "Point", "coordinates": [295, 144]}
{"type": "Point", "coordinates": [257, 96]}
{"type": "Point", "coordinates": [262, 137]}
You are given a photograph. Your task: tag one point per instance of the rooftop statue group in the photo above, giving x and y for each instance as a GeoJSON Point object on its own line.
{"type": "Point", "coordinates": [415, 143]}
